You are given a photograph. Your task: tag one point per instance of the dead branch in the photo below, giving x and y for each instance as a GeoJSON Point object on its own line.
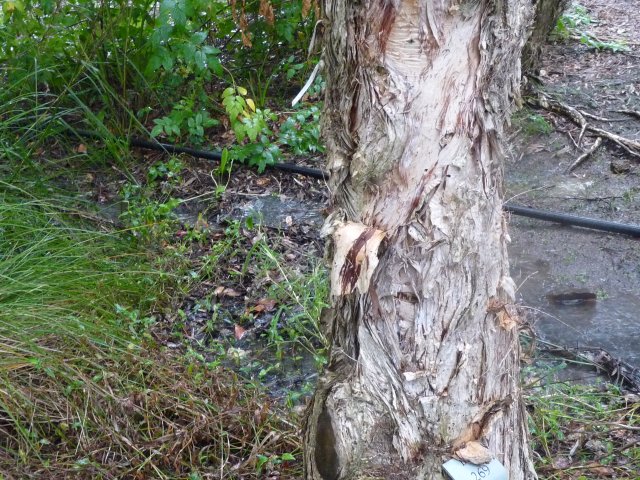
{"type": "Point", "coordinates": [616, 369]}
{"type": "Point", "coordinates": [585, 155]}
{"type": "Point", "coordinates": [630, 146]}
{"type": "Point", "coordinates": [600, 119]}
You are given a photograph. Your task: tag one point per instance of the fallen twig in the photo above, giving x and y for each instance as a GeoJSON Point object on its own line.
{"type": "Point", "coordinates": [600, 119]}
{"type": "Point", "coordinates": [585, 155]}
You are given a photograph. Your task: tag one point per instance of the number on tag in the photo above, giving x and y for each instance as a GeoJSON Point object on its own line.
{"type": "Point", "coordinates": [456, 470]}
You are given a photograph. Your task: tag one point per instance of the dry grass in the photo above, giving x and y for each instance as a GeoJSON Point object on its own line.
{"type": "Point", "coordinates": [140, 415]}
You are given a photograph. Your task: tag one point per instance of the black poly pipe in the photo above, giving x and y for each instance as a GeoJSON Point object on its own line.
{"type": "Point", "coordinates": [575, 220]}
{"type": "Point", "coordinates": [208, 154]}
{"type": "Point", "coordinates": [563, 218]}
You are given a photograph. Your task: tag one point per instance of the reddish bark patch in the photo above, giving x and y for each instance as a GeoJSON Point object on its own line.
{"type": "Point", "coordinates": [350, 270]}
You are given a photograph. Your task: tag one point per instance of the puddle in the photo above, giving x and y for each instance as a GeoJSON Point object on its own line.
{"type": "Point", "coordinates": [288, 376]}
{"type": "Point", "coordinates": [278, 212]}
{"type": "Point", "coordinates": [548, 263]}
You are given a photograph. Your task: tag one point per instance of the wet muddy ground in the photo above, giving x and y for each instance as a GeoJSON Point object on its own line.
{"type": "Point", "coordinates": [547, 259]}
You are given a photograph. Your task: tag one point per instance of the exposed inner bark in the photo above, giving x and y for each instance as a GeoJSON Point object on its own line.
{"type": "Point", "coordinates": [424, 358]}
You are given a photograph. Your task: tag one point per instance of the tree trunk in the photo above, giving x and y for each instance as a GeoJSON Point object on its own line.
{"type": "Point", "coordinates": [424, 358]}
{"type": "Point", "coordinates": [546, 17]}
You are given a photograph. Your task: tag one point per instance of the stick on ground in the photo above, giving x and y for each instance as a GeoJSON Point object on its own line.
{"type": "Point", "coordinates": [580, 160]}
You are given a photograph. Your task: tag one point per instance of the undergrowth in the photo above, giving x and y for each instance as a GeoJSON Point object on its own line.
{"type": "Point", "coordinates": [574, 24]}
{"type": "Point", "coordinates": [582, 432]}
{"type": "Point", "coordinates": [85, 389]}
{"type": "Point", "coordinates": [158, 68]}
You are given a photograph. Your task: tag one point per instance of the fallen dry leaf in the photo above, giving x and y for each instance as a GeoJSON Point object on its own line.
{"type": "Point", "coordinates": [239, 332]}
{"type": "Point", "coordinates": [474, 452]}
{"type": "Point", "coordinates": [236, 353]}
{"type": "Point", "coordinates": [82, 148]}
{"type": "Point", "coordinates": [226, 292]}
{"type": "Point", "coordinates": [602, 471]}
{"type": "Point", "coordinates": [562, 462]}
{"type": "Point", "coordinates": [263, 305]}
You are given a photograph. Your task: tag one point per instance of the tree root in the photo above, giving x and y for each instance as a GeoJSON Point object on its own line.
{"type": "Point", "coordinates": [579, 117]}
{"type": "Point", "coordinates": [631, 113]}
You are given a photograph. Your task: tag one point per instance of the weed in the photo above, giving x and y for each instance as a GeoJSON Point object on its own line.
{"type": "Point", "coordinates": [531, 123]}
{"type": "Point", "coordinates": [301, 131]}
{"type": "Point", "coordinates": [303, 297]}
{"type": "Point", "coordinates": [574, 18]}
{"type": "Point", "coordinates": [250, 126]}
{"type": "Point", "coordinates": [536, 124]}
{"type": "Point", "coordinates": [582, 277]}
{"type": "Point", "coordinates": [629, 195]}
{"type": "Point", "coordinates": [184, 122]}
{"type": "Point", "coordinates": [147, 218]}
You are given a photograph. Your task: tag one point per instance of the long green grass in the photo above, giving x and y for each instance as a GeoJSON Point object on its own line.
{"type": "Point", "coordinates": [582, 432]}
{"type": "Point", "coordinates": [85, 389]}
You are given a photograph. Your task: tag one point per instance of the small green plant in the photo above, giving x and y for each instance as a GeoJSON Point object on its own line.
{"type": "Point", "coordinates": [584, 420]}
{"type": "Point", "coordinates": [591, 41]}
{"type": "Point", "coordinates": [169, 171]}
{"type": "Point", "coordinates": [303, 297]}
{"type": "Point", "coordinates": [629, 195]}
{"type": "Point", "coordinates": [147, 218]}
{"type": "Point", "coordinates": [264, 462]}
{"type": "Point", "coordinates": [256, 142]}
{"type": "Point", "coordinates": [132, 319]}
{"type": "Point", "coordinates": [184, 121]}
{"type": "Point", "coordinates": [301, 131]}
{"type": "Point", "coordinates": [532, 123]}
{"type": "Point", "coordinates": [537, 124]}
{"type": "Point", "coordinates": [573, 24]}
{"type": "Point", "coordinates": [250, 126]}
{"type": "Point", "coordinates": [575, 17]}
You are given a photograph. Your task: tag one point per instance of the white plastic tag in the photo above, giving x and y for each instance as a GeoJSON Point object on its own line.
{"type": "Point", "coordinates": [456, 470]}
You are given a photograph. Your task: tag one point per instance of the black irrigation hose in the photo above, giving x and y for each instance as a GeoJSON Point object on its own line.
{"type": "Point", "coordinates": [562, 218]}
{"type": "Point", "coordinates": [207, 154]}
{"type": "Point", "coordinates": [574, 220]}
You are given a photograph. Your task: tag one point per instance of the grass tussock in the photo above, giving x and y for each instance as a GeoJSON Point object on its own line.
{"type": "Point", "coordinates": [85, 392]}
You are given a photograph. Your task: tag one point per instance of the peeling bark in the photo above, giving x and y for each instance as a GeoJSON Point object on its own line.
{"type": "Point", "coordinates": [546, 17]}
{"type": "Point", "coordinates": [424, 359]}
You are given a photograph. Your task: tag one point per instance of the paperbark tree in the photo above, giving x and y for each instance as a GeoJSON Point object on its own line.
{"type": "Point", "coordinates": [546, 17]}
{"type": "Point", "coordinates": [424, 360]}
